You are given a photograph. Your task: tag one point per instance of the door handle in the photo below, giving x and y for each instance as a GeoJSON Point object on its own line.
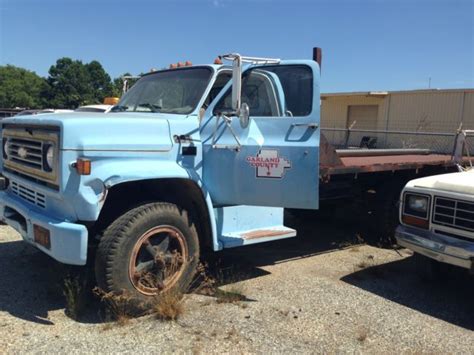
{"type": "Point", "coordinates": [309, 125]}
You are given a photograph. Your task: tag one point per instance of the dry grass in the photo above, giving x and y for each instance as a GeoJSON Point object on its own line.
{"type": "Point", "coordinates": [75, 292]}
{"type": "Point", "coordinates": [119, 307]}
{"type": "Point", "coordinates": [233, 294]}
{"type": "Point", "coordinates": [168, 306]}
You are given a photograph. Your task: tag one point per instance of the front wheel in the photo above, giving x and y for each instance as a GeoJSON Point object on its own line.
{"type": "Point", "coordinates": [148, 250]}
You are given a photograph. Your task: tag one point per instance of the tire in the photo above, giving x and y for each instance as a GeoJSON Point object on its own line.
{"type": "Point", "coordinates": [385, 216]}
{"type": "Point", "coordinates": [124, 255]}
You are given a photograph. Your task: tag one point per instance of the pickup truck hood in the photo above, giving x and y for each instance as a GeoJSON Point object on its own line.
{"type": "Point", "coordinates": [462, 182]}
{"type": "Point", "coordinates": [88, 131]}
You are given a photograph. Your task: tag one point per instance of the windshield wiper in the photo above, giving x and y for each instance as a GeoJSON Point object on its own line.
{"type": "Point", "coordinates": [119, 108]}
{"type": "Point", "coordinates": [152, 107]}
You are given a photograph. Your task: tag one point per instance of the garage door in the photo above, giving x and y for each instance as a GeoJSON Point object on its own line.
{"type": "Point", "coordinates": [365, 115]}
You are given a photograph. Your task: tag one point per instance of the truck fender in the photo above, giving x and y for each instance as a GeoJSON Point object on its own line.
{"type": "Point", "coordinates": [111, 173]}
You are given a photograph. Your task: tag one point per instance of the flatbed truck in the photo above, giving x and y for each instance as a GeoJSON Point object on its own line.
{"type": "Point", "coordinates": [192, 158]}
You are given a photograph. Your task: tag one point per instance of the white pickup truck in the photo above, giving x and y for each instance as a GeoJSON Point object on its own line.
{"type": "Point", "coordinates": [437, 218]}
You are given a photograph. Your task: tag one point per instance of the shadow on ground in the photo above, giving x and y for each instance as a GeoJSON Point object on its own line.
{"type": "Point", "coordinates": [32, 283]}
{"type": "Point", "coordinates": [449, 298]}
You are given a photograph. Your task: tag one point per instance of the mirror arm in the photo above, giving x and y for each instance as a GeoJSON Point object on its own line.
{"type": "Point", "coordinates": [227, 121]}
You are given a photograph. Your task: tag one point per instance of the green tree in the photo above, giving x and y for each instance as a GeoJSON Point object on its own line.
{"type": "Point", "coordinates": [99, 80]}
{"type": "Point", "coordinates": [73, 83]}
{"type": "Point", "coordinates": [21, 88]}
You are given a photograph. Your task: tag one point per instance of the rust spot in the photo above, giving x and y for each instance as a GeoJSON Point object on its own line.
{"type": "Point", "coordinates": [264, 233]}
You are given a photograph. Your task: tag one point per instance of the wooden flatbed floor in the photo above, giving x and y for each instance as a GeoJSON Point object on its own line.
{"type": "Point", "coordinates": [367, 164]}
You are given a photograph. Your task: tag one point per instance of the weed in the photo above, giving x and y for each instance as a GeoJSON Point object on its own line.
{"type": "Point", "coordinates": [119, 307]}
{"type": "Point", "coordinates": [233, 295]}
{"type": "Point", "coordinates": [168, 305]}
{"type": "Point", "coordinates": [75, 292]}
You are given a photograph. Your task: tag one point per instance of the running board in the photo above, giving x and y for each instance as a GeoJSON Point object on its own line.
{"type": "Point", "coordinates": [245, 225]}
{"type": "Point", "coordinates": [255, 236]}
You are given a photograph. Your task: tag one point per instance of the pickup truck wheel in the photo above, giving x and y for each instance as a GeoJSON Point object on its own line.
{"type": "Point", "coordinates": [148, 250]}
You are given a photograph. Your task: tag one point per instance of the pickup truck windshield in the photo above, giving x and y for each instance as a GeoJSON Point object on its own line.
{"type": "Point", "coordinates": [171, 91]}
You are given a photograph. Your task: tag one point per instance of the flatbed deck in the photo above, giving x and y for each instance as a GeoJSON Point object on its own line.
{"type": "Point", "coordinates": [372, 161]}
{"type": "Point", "coordinates": [352, 165]}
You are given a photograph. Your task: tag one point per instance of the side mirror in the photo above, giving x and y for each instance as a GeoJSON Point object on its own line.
{"type": "Point", "coordinates": [236, 82]}
{"type": "Point", "coordinates": [244, 114]}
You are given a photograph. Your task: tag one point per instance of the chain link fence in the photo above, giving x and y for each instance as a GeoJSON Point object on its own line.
{"type": "Point", "coordinates": [435, 142]}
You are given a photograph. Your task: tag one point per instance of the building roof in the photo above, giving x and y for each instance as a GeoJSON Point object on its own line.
{"type": "Point", "coordinates": [385, 93]}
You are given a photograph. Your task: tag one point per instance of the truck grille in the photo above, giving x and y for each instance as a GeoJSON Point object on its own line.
{"type": "Point", "coordinates": [28, 194]}
{"type": "Point", "coordinates": [26, 152]}
{"type": "Point", "coordinates": [454, 213]}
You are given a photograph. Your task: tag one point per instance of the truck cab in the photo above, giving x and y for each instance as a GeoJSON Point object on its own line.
{"type": "Point", "coordinates": [191, 158]}
{"type": "Point", "coordinates": [437, 218]}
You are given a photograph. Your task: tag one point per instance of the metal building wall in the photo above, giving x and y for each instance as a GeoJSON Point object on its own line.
{"type": "Point", "coordinates": [334, 113]}
{"type": "Point", "coordinates": [415, 111]}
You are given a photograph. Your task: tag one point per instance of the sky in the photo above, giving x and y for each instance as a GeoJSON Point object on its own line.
{"type": "Point", "coordinates": [368, 45]}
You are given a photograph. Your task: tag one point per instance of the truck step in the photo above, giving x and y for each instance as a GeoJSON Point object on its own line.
{"type": "Point", "coordinates": [244, 225]}
{"type": "Point", "coordinates": [254, 236]}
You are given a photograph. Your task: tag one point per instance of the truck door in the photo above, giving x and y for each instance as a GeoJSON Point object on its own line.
{"type": "Point", "coordinates": [274, 161]}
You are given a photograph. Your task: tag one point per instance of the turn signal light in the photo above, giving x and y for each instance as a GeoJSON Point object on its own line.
{"type": "Point", "coordinates": [415, 221]}
{"type": "Point", "coordinates": [83, 166]}
{"type": "Point", "coordinates": [42, 236]}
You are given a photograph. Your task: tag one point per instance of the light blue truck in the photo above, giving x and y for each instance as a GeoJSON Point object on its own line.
{"type": "Point", "coordinates": [192, 158]}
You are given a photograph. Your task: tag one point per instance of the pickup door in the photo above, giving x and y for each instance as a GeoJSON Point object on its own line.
{"type": "Point", "coordinates": [274, 161]}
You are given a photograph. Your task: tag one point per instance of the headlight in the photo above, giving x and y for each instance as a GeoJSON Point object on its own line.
{"type": "Point", "coordinates": [5, 148]}
{"type": "Point", "coordinates": [48, 160]}
{"type": "Point", "coordinates": [417, 203]}
{"type": "Point", "coordinates": [416, 209]}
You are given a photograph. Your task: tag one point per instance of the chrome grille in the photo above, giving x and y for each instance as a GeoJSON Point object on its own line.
{"type": "Point", "coordinates": [28, 194]}
{"type": "Point", "coordinates": [27, 152]}
{"type": "Point", "coordinates": [454, 213]}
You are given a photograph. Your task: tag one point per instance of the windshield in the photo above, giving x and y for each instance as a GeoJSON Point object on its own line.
{"type": "Point", "coordinates": [172, 91]}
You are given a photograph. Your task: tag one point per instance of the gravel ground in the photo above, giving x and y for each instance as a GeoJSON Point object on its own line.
{"type": "Point", "coordinates": [314, 293]}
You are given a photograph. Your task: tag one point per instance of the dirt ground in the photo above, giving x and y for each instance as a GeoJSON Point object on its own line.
{"type": "Point", "coordinates": [319, 292]}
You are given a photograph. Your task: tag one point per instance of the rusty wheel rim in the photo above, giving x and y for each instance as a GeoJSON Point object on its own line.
{"type": "Point", "coordinates": [158, 260]}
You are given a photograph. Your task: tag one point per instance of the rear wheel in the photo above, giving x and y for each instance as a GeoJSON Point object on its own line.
{"type": "Point", "coordinates": [150, 249]}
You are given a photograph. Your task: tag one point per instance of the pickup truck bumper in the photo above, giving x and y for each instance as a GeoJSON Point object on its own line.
{"type": "Point", "coordinates": [67, 242]}
{"type": "Point", "coordinates": [440, 247]}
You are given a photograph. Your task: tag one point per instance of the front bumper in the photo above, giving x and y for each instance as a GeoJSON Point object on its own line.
{"type": "Point", "coordinates": [437, 246]}
{"type": "Point", "coordinates": [68, 241]}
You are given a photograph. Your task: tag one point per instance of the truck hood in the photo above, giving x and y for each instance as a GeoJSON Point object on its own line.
{"type": "Point", "coordinates": [88, 131]}
{"type": "Point", "coordinates": [462, 182]}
